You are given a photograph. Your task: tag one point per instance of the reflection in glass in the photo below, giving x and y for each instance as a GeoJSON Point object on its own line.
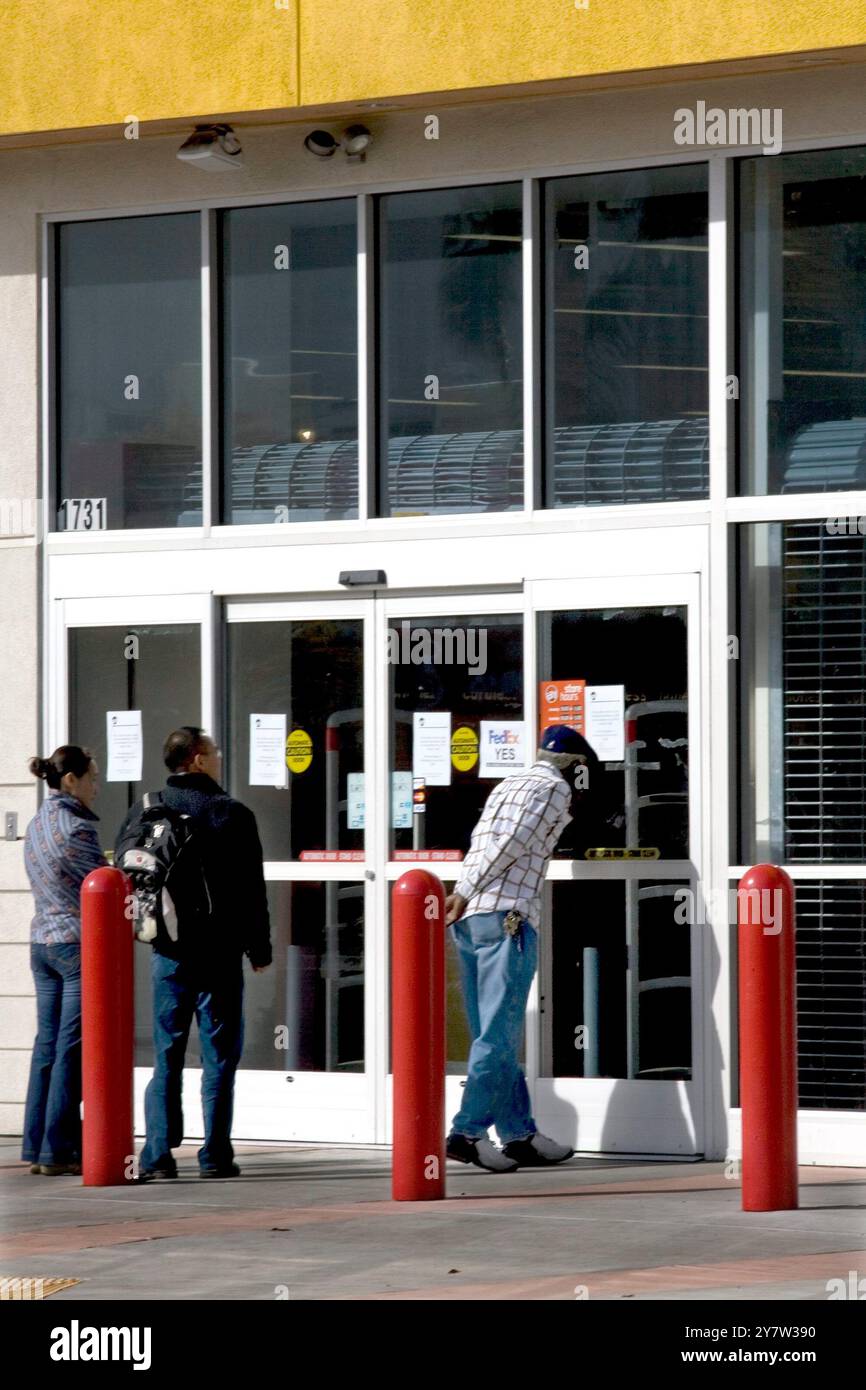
{"type": "Point", "coordinates": [129, 369]}
{"type": "Point", "coordinates": [431, 686]}
{"type": "Point", "coordinates": [451, 359]}
{"type": "Point", "coordinates": [312, 673]}
{"type": "Point", "coordinates": [643, 801]}
{"type": "Point", "coordinates": [626, 337]}
{"type": "Point", "coordinates": [803, 278]}
{"type": "Point", "coordinates": [163, 680]}
{"type": "Point", "coordinates": [290, 362]}
{"type": "Point", "coordinates": [609, 1020]}
{"type": "Point", "coordinates": [802, 672]}
{"type": "Point", "coordinates": [306, 1013]}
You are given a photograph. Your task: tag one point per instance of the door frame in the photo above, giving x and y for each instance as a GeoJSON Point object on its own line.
{"type": "Point", "coordinates": [577, 1110]}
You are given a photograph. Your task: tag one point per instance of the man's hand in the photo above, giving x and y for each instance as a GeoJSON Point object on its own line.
{"type": "Point", "coordinates": [455, 906]}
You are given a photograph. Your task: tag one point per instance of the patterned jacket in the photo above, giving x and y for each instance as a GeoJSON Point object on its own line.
{"type": "Point", "coordinates": [60, 849]}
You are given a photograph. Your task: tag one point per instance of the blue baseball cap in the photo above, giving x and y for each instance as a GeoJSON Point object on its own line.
{"type": "Point", "coordinates": [559, 738]}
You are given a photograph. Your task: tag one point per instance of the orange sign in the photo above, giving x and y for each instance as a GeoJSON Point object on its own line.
{"type": "Point", "coordinates": [561, 702]}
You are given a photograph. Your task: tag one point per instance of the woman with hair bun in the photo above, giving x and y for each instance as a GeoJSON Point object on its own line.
{"type": "Point", "coordinates": [60, 849]}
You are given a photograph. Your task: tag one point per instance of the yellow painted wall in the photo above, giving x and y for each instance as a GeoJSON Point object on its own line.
{"type": "Point", "coordinates": [71, 63]}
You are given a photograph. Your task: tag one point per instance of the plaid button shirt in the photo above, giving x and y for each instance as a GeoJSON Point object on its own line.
{"type": "Point", "coordinates": [61, 847]}
{"type": "Point", "coordinates": [521, 822]}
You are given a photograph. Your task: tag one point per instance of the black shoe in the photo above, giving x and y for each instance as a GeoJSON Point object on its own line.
{"type": "Point", "coordinates": [481, 1152]}
{"type": "Point", "coordinates": [154, 1174]}
{"type": "Point", "coordinates": [232, 1171]}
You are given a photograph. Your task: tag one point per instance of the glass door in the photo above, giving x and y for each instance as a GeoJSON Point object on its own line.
{"type": "Point", "coordinates": [616, 1041]}
{"type": "Point", "coordinates": [298, 682]}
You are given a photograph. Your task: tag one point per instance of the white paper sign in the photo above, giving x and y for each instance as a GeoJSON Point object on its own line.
{"type": "Point", "coordinates": [355, 800]}
{"type": "Point", "coordinates": [124, 745]}
{"type": "Point", "coordinates": [604, 721]}
{"type": "Point", "coordinates": [503, 747]}
{"type": "Point", "coordinates": [401, 801]}
{"type": "Point", "coordinates": [431, 748]}
{"type": "Point", "coordinates": [268, 751]}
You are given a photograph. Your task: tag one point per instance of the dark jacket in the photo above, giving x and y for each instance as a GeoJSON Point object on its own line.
{"type": "Point", "coordinates": [232, 857]}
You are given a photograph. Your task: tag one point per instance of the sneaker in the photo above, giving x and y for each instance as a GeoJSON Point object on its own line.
{"type": "Point", "coordinates": [35, 1168]}
{"type": "Point", "coordinates": [166, 1172]}
{"type": "Point", "coordinates": [537, 1151]}
{"type": "Point", "coordinates": [59, 1170]}
{"type": "Point", "coordinates": [482, 1152]}
{"type": "Point", "coordinates": [231, 1171]}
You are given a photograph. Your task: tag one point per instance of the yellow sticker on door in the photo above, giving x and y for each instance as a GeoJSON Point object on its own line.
{"type": "Point", "coordinates": [299, 750]}
{"type": "Point", "coordinates": [464, 748]}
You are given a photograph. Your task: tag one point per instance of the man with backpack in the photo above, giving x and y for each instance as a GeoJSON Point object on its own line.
{"type": "Point", "coordinates": [195, 862]}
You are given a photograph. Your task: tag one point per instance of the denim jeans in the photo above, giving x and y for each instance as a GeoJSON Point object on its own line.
{"type": "Point", "coordinates": [496, 973]}
{"type": "Point", "coordinates": [214, 994]}
{"type": "Point", "coordinates": [52, 1113]}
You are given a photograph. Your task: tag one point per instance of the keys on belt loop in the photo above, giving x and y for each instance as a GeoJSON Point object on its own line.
{"type": "Point", "coordinates": [511, 926]}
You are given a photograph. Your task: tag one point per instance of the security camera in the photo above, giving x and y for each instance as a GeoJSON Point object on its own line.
{"type": "Point", "coordinates": [212, 147]}
{"type": "Point", "coordinates": [321, 143]}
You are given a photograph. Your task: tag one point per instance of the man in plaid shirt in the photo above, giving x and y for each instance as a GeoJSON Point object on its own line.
{"type": "Point", "coordinates": [494, 914]}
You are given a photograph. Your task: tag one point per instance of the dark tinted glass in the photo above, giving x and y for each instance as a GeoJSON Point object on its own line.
{"type": "Point", "coordinates": [626, 337]}
{"type": "Point", "coordinates": [451, 357]}
{"type": "Point", "coordinates": [803, 349]}
{"type": "Point", "coordinates": [129, 370]}
{"type": "Point", "coordinates": [290, 363]}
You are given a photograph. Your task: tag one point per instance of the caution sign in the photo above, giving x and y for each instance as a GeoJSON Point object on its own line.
{"type": "Point", "coordinates": [299, 750]}
{"type": "Point", "coordinates": [622, 854]}
{"type": "Point", "coordinates": [464, 748]}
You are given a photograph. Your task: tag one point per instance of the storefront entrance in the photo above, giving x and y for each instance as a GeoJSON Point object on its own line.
{"type": "Point", "coordinates": [366, 733]}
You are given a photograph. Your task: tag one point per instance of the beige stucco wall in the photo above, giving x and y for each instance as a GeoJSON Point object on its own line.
{"type": "Point", "coordinates": [511, 137]}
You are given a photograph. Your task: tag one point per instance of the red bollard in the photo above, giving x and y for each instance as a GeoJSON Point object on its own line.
{"type": "Point", "coordinates": [418, 1036]}
{"type": "Point", "coordinates": [107, 1010]}
{"type": "Point", "coordinates": [768, 1039]}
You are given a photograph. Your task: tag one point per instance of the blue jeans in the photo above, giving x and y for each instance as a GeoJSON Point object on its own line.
{"type": "Point", "coordinates": [496, 974]}
{"type": "Point", "coordinates": [214, 994]}
{"type": "Point", "coordinates": [52, 1113]}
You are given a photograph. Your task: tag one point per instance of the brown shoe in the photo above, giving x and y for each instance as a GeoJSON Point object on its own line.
{"type": "Point", "coordinates": [60, 1170]}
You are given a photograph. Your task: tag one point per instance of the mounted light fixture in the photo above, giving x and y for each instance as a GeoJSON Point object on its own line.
{"type": "Point", "coordinates": [354, 141]}
{"type": "Point", "coordinates": [211, 148]}
{"type": "Point", "coordinates": [363, 579]}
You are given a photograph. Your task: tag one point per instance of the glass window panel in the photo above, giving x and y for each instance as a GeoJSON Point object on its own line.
{"type": "Point", "coordinates": [451, 351]}
{"type": "Point", "coordinates": [803, 300]}
{"type": "Point", "coordinates": [129, 369]}
{"type": "Point", "coordinates": [626, 337]}
{"type": "Point", "coordinates": [315, 987]}
{"type": "Point", "coordinates": [802, 672]}
{"type": "Point", "coordinates": [643, 801]}
{"type": "Point", "coordinates": [290, 362]}
{"type": "Point", "coordinates": [607, 1021]}
{"type": "Point", "coordinates": [154, 668]}
{"type": "Point", "coordinates": [486, 685]}
{"type": "Point", "coordinates": [312, 673]}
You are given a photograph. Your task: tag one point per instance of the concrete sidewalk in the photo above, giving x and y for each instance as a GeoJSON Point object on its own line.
{"type": "Point", "coordinates": [317, 1222]}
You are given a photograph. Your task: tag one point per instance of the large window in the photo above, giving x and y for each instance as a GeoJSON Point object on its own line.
{"type": "Point", "coordinates": [626, 337]}
{"type": "Point", "coordinates": [129, 370]}
{"type": "Point", "coordinates": [290, 362]}
{"type": "Point", "coordinates": [803, 348]}
{"type": "Point", "coordinates": [451, 352]}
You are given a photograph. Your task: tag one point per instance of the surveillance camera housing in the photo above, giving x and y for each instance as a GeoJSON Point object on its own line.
{"type": "Point", "coordinates": [212, 148]}
{"type": "Point", "coordinates": [321, 143]}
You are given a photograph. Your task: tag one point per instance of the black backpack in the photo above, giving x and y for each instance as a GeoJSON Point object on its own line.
{"type": "Point", "coordinates": [159, 851]}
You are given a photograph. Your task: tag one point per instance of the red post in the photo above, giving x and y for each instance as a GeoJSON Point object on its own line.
{"type": "Point", "coordinates": [106, 1029]}
{"type": "Point", "coordinates": [768, 1039]}
{"type": "Point", "coordinates": [418, 1036]}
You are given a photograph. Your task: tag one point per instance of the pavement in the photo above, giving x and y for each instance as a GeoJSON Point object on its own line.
{"type": "Point", "coordinates": [308, 1221]}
